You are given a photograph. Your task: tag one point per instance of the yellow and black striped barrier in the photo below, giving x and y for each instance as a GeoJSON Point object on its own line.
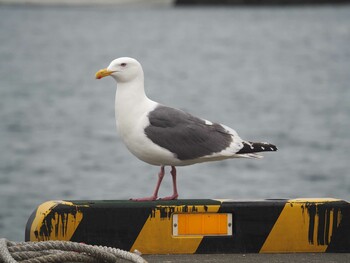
{"type": "Point", "coordinates": [198, 226]}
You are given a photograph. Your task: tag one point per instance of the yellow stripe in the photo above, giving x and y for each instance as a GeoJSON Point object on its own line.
{"type": "Point", "coordinates": [297, 229]}
{"type": "Point", "coordinates": [55, 226]}
{"type": "Point", "coordinates": [156, 234]}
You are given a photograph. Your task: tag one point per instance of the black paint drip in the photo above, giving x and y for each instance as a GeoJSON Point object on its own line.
{"type": "Point", "coordinates": [322, 212]}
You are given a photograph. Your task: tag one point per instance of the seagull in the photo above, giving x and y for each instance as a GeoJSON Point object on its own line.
{"type": "Point", "coordinates": [165, 136]}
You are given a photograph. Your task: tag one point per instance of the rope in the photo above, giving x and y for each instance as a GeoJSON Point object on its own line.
{"type": "Point", "coordinates": [61, 251]}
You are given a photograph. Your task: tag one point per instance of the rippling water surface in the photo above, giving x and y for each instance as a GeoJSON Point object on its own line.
{"type": "Point", "coordinates": [273, 74]}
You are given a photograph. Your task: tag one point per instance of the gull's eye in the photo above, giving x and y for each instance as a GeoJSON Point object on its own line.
{"type": "Point", "coordinates": [123, 64]}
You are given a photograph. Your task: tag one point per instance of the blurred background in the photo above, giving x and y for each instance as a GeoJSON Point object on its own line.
{"type": "Point", "coordinates": [276, 74]}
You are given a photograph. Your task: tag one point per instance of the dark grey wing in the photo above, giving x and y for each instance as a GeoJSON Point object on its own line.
{"type": "Point", "coordinates": [187, 136]}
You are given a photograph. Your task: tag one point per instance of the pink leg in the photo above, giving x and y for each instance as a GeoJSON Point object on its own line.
{"type": "Point", "coordinates": [155, 193]}
{"type": "Point", "coordinates": [175, 193]}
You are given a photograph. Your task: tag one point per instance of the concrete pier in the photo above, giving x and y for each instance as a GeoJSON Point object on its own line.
{"type": "Point", "coordinates": [257, 2]}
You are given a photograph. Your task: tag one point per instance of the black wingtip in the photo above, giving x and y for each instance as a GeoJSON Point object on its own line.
{"type": "Point", "coordinates": [255, 147]}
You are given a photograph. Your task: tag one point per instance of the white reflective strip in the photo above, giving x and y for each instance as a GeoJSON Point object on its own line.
{"type": "Point", "coordinates": [175, 225]}
{"type": "Point", "coordinates": [229, 224]}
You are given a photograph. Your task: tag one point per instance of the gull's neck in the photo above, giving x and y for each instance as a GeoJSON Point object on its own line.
{"type": "Point", "coordinates": [131, 101]}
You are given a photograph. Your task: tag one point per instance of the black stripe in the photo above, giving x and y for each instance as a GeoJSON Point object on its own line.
{"type": "Point", "coordinates": [112, 223]}
{"type": "Point", "coordinates": [340, 240]}
{"type": "Point", "coordinates": [29, 226]}
{"type": "Point", "coordinates": [252, 223]}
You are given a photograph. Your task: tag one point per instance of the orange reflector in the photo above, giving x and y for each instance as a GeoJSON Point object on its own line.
{"type": "Point", "coordinates": [203, 224]}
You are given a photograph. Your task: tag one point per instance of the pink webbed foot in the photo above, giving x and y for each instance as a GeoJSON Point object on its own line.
{"type": "Point", "coordinates": [155, 193]}
{"type": "Point", "coordinates": [172, 197]}
{"type": "Point", "coordinates": [150, 198]}
{"type": "Point", "coordinates": [154, 197]}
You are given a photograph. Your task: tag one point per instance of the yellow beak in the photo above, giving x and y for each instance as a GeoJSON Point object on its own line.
{"type": "Point", "coordinates": [103, 73]}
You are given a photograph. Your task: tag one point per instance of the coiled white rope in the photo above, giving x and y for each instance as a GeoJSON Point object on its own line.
{"type": "Point", "coordinates": [61, 251]}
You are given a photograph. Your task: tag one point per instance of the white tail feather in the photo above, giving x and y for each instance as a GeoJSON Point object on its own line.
{"type": "Point", "coordinates": [250, 156]}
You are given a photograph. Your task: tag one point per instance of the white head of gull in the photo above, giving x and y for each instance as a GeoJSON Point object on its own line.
{"type": "Point", "coordinates": [165, 136]}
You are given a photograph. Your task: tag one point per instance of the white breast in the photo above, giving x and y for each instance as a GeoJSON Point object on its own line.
{"type": "Point", "coordinates": [131, 120]}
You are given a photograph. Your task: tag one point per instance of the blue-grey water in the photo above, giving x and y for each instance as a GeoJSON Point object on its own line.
{"type": "Point", "coordinates": [274, 74]}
